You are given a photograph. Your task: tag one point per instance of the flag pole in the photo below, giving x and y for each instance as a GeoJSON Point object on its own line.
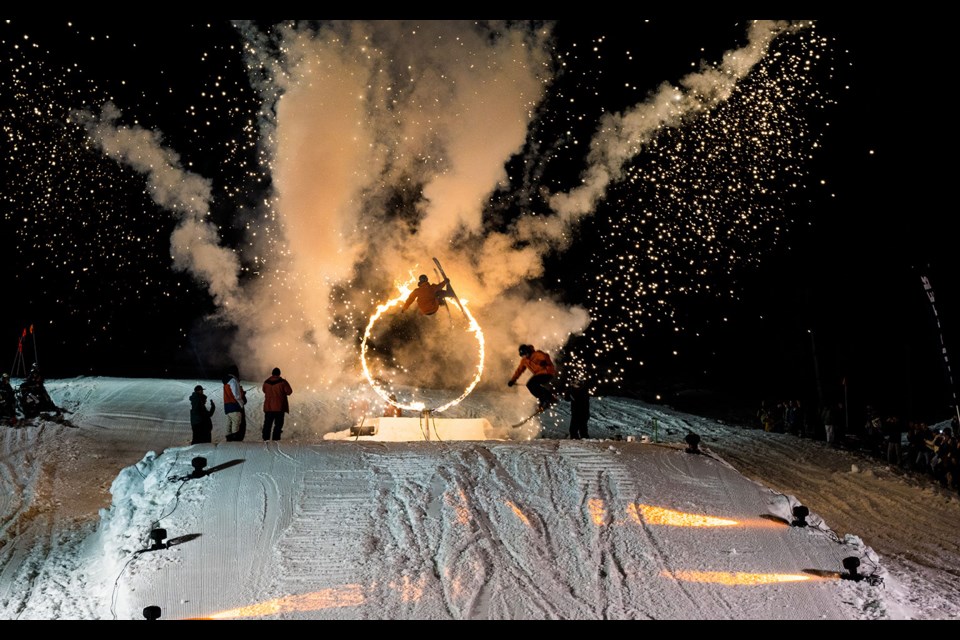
{"type": "Point", "coordinates": [36, 358]}
{"type": "Point", "coordinates": [928, 288]}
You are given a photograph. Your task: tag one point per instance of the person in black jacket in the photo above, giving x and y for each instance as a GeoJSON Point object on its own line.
{"type": "Point", "coordinates": [579, 395]}
{"type": "Point", "coordinates": [200, 416]}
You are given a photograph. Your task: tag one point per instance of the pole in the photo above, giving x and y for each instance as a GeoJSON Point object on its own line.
{"type": "Point", "coordinates": [943, 347]}
{"type": "Point", "coordinates": [846, 408]}
{"type": "Point", "coordinates": [36, 358]}
{"type": "Point", "coordinates": [816, 368]}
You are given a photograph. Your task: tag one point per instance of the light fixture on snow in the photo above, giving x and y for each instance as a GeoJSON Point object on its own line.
{"type": "Point", "coordinates": [800, 514]}
{"type": "Point", "coordinates": [152, 612]}
{"type": "Point", "coordinates": [198, 464]}
{"type": "Point", "coordinates": [851, 563]}
{"type": "Point", "coordinates": [693, 443]}
{"type": "Point", "coordinates": [158, 536]}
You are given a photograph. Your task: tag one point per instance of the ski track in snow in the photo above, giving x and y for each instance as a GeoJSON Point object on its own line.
{"type": "Point", "coordinates": [542, 529]}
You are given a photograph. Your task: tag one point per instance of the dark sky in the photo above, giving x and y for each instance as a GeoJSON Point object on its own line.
{"type": "Point", "coordinates": [827, 288]}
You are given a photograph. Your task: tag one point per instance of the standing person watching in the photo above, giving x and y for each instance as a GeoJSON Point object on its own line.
{"type": "Point", "coordinates": [275, 405]}
{"type": "Point", "coordinates": [200, 416]}
{"type": "Point", "coordinates": [234, 400]}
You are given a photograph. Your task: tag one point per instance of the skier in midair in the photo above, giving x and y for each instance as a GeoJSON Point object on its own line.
{"type": "Point", "coordinates": [428, 296]}
{"type": "Point", "coordinates": [543, 370]}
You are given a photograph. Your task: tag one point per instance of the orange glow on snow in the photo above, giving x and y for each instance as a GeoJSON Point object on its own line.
{"type": "Point", "coordinates": [347, 596]}
{"type": "Point", "coordinates": [641, 513]}
{"type": "Point", "coordinates": [519, 513]}
{"type": "Point", "coordinates": [460, 507]}
{"type": "Point", "coordinates": [598, 512]}
{"type": "Point", "coordinates": [409, 590]}
{"type": "Point", "coordinates": [735, 578]}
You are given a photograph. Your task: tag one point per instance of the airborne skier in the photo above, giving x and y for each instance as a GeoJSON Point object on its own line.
{"type": "Point", "coordinates": [543, 370]}
{"type": "Point", "coordinates": [427, 296]}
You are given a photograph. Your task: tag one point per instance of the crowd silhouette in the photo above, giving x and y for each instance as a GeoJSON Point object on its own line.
{"type": "Point", "coordinates": [908, 445]}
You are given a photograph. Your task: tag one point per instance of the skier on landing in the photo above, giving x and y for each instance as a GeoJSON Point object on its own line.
{"type": "Point", "coordinates": [543, 370]}
{"type": "Point", "coordinates": [427, 296]}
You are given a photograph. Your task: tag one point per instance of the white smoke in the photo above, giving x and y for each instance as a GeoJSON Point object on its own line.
{"type": "Point", "coordinates": [622, 136]}
{"type": "Point", "coordinates": [195, 244]}
{"type": "Point", "coordinates": [355, 113]}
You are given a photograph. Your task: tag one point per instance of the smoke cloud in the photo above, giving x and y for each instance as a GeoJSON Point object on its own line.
{"type": "Point", "coordinates": [384, 142]}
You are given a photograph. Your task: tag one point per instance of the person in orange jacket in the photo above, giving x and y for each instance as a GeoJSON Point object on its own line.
{"type": "Point", "coordinates": [427, 296]}
{"type": "Point", "coordinates": [543, 370]}
{"type": "Point", "coordinates": [275, 405]}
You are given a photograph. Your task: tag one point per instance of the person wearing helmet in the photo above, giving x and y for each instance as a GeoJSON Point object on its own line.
{"type": "Point", "coordinates": [543, 370]}
{"type": "Point", "coordinates": [427, 296]}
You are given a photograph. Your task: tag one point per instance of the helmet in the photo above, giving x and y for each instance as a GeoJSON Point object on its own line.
{"type": "Point", "coordinates": [423, 278]}
{"type": "Point", "coordinates": [525, 349]}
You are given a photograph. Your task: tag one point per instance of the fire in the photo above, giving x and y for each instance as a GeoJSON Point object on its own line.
{"type": "Point", "coordinates": [403, 291]}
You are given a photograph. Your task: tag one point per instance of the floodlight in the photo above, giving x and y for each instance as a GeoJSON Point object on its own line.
{"type": "Point", "coordinates": [198, 464]}
{"type": "Point", "coordinates": [158, 535]}
{"type": "Point", "coordinates": [800, 512]}
{"type": "Point", "coordinates": [851, 563]}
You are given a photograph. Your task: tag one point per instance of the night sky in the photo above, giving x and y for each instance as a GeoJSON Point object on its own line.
{"type": "Point", "coordinates": [770, 246]}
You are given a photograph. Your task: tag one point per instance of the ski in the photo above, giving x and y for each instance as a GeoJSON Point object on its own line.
{"type": "Point", "coordinates": [444, 302]}
{"type": "Point", "coordinates": [554, 401]}
{"type": "Point", "coordinates": [526, 420]}
{"type": "Point", "coordinates": [449, 287]}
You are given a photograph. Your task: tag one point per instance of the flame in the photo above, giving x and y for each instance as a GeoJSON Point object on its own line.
{"type": "Point", "coordinates": [404, 289]}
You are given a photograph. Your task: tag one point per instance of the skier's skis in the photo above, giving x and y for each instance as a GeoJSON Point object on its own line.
{"type": "Point", "coordinates": [449, 288]}
{"type": "Point", "coordinates": [554, 400]}
{"type": "Point", "coordinates": [527, 419]}
{"type": "Point", "coordinates": [444, 302]}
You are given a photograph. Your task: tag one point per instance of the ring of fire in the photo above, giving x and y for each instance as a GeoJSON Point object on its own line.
{"type": "Point", "coordinates": [404, 291]}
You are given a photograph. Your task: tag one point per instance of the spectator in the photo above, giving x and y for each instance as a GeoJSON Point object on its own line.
{"type": "Point", "coordinates": [234, 401]}
{"type": "Point", "coordinates": [200, 416]}
{"type": "Point", "coordinates": [579, 395]}
{"type": "Point", "coordinates": [8, 401]}
{"type": "Point", "coordinates": [791, 417]}
{"type": "Point", "coordinates": [275, 405]}
{"type": "Point", "coordinates": [873, 432]}
{"type": "Point", "coordinates": [831, 416]}
{"type": "Point", "coordinates": [919, 453]}
{"type": "Point", "coordinates": [893, 437]}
